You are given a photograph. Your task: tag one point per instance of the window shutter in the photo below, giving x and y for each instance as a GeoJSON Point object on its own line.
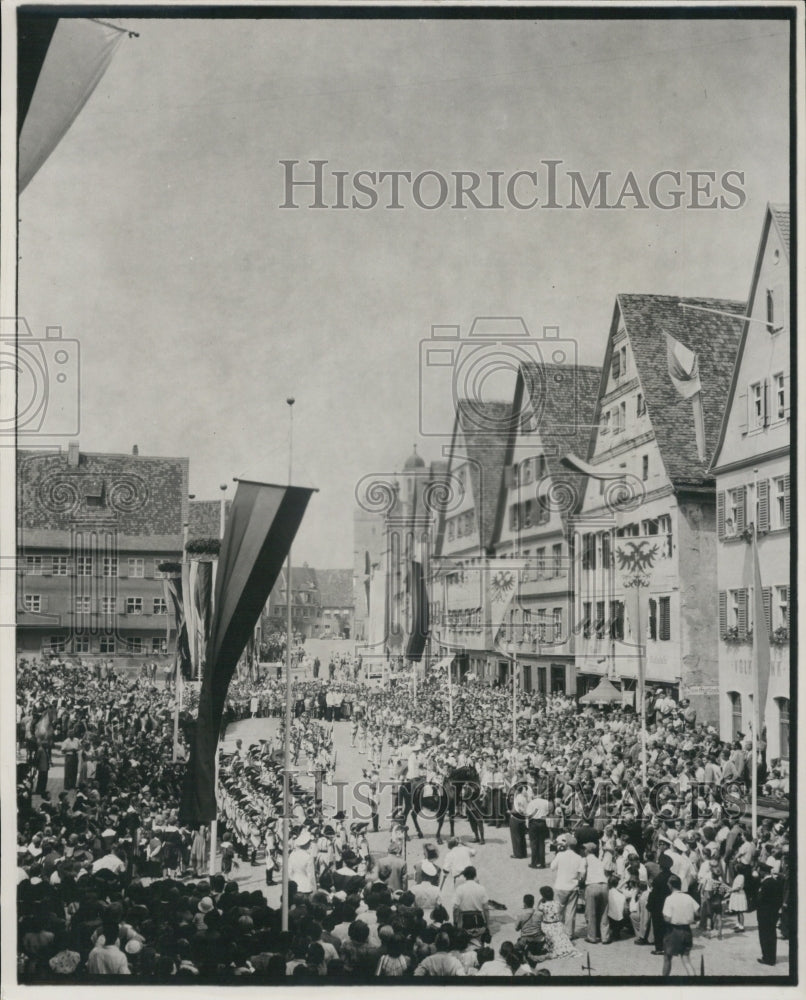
{"type": "Point", "coordinates": [786, 596]}
{"type": "Point", "coordinates": [787, 405]}
{"type": "Point", "coordinates": [741, 601]}
{"type": "Point", "coordinates": [720, 514]}
{"type": "Point", "coordinates": [741, 510]}
{"type": "Point", "coordinates": [763, 505]}
{"type": "Point", "coordinates": [723, 613]}
{"type": "Point", "coordinates": [742, 411]}
{"type": "Point", "coordinates": [786, 501]}
{"type": "Point", "coordinates": [766, 596]}
{"type": "Point", "coordinates": [614, 365]}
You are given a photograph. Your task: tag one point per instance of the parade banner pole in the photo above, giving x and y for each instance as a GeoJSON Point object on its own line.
{"type": "Point", "coordinates": [287, 725]}
{"type": "Point", "coordinates": [222, 523]}
{"type": "Point", "coordinates": [514, 705]}
{"type": "Point", "coordinates": [756, 691]}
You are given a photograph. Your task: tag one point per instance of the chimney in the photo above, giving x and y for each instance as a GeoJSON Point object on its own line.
{"type": "Point", "coordinates": [72, 454]}
{"type": "Point", "coordinates": [135, 450]}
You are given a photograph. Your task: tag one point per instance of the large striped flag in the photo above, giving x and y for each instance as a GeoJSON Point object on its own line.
{"type": "Point", "coordinates": [262, 524]}
{"type": "Point", "coordinates": [198, 577]}
{"type": "Point", "coordinates": [418, 596]}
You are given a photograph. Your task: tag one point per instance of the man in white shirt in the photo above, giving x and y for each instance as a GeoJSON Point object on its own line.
{"type": "Point", "coordinates": [537, 810]}
{"type": "Point", "coordinates": [569, 866]}
{"type": "Point", "coordinates": [596, 894]}
{"type": "Point", "coordinates": [471, 910]}
{"type": "Point", "coordinates": [301, 868]}
{"type": "Point", "coordinates": [679, 911]}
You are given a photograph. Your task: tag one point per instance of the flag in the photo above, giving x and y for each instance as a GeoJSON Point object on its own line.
{"type": "Point", "coordinates": [60, 67]}
{"type": "Point", "coordinates": [262, 523]}
{"type": "Point", "coordinates": [501, 592]}
{"type": "Point", "coordinates": [174, 597]}
{"type": "Point", "coordinates": [418, 595]}
{"type": "Point", "coordinates": [683, 368]}
{"type": "Point", "coordinates": [637, 558]}
{"type": "Point", "coordinates": [199, 610]}
{"type": "Point", "coordinates": [761, 645]}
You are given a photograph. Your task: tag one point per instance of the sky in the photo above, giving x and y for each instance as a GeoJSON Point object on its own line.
{"type": "Point", "coordinates": [153, 235]}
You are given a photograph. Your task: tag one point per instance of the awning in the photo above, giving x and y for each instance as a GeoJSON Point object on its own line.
{"type": "Point", "coordinates": [603, 694]}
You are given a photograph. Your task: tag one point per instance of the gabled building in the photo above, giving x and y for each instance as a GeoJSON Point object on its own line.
{"type": "Point", "coordinates": [336, 602]}
{"type": "Point", "coordinates": [93, 530]}
{"type": "Point", "coordinates": [555, 405]}
{"type": "Point", "coordinates": [752, 468]}
{"type": "Point", "coordinates": [657, 445]}
{"type": "Point", "coordinates": [305, 603]}
{"type": "Point", "coordinates": [465, 537]}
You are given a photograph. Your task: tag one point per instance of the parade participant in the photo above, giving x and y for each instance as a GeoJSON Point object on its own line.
{"type": "Point", "coordinates": [768, 906]}
{"type": "Point", "coordinates": [301, 868]}
{"type": "Point", "coordinates": [517, 821]}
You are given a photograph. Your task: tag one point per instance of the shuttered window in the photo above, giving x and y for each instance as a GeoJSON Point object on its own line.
{"type": "Point", "coordinates": [720, 514]}
{"type": "Point", "coordinates": [665, 624]}
{"type": "Point", "coordinates": [741, 612]}
{"type": "Point", "coordinates": [766, 597]}
{"type": "Point", "coordinates": [763, 505]}
{"type": "Point", "coordinates": [723, 613]}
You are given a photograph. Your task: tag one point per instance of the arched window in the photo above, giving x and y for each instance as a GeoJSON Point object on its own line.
{"type": "Point", "coordinates": [736, 713]}
{"type": "Point", "coordinates": [783, 727]}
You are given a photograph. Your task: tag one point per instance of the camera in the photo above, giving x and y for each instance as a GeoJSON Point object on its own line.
{"type": "Point", "coordinates": [483, 366]}
{"type": "Point", "coordinates": [47, 378]}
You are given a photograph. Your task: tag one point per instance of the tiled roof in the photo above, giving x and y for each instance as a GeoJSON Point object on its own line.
{"type": "Point", "coordinates": [142, 496]}
{"type": "Point", "coordinates": [204, 518]}
{"type": "Point", "coordinates": [564, 401]}
{"type": "Point", "coordinates": [715, 340]}
{"type": "Point", "coordinates": [335, 587]}
{"type": "Point", "coordinates": [780, 214]}
{"type": "Point", "coordinates": [485, 428]}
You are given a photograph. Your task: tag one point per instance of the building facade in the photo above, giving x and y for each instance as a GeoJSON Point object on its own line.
{"type": "Point", "coordinates": [305, 603]}
{"type": "Point", "coordinates": [93, 531]}
{"type": "Point", "coordinates": [752, 466]}
{"type": "Point", "coordinates": [538, 496]}
{"type": "Point", "coordinates": [660, 499]}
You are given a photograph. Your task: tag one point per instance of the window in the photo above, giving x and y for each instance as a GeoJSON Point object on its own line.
{"type": "Point", "coordinates": [599, 628]}
{"type": "Point", "coordinates": [137, 568]}
{"type": "Point", "coordinates": [605, 424]}
{"type": "Point", "coordinates": [527, 514]}
{"type": "Point", "coordinates": [111, 566]}
{"type": "Point", "coordinates": [665, 529]}
{"type": "Point", "coordinates": [735, 513]}
{"type": "Point", "coordinates": [607, 559]}
{"type": "Point", "coordinates": [557, 616]}
{"type": "Point", "coordinates": [645, 467]}
{"type": "Point", "coordinates": [83, 565]}
{"type": "Point", "coordinates": [160, 606]}
{"type": "Point", "coordinates": [159, 645]}
{"type": "Point", "coordinates": [616, 620]}
{"type": "Point", "coordinates": [135, 644]}
{"type": "Point", "coordinates": [82, 605]}
{"type": "Point", "coordinates": [780, 502]}
{"type": "Point", "coordinates": [107, 644]}
{"type": "Point", "coordinates": [588, 551]}
{"type": "Point", "coordinates": [540, 562]}
{"type": "Point", "coordinates": [59, 566]}
{"type": "Point", "coordinates": [526, 472]}
{"type": "Point", "coordinates": [623, 353]}
{"type": "Point", "coordinates": [134, 605]}
{"type": "Point", "coordinates": [736, 612]}
{"type": "Point", "coordinates": [781, 607]}
{"type": "Point", "coordinates": [770, 311]}
{"type": "Point", "coordinates": [623, 416]}
{"type": "Point", "coordinates": [653, 619]}
{"type": "Point", "coordinates": [665, 615]}
{"type": "Point", "coordinates": [779, 388]}
{"type": "Point", "coordinates": [541, 625]}
{"type": "Point", "coordinates": [617, 428]}
{"type": "Point", "coordinates": [586, 619]}
{"type": "Point", "coordinates": [735, 713]}
{"type": "Point", "coordinates": [557, 559]}
{"type": "Point", "coordinates": [783, 727]}
{"type": "Point", "coordinates": [159, 575]}
{"type": "Point", "coordinates": [755, 398]}
{"type": "Point", "coordinates": [108, 605]}
{"type": "Point", "coordinates": [451, 530]}
{"type": "Point", "coordinates": [513, 517]}
{"type": "Point", "coordinates": [33, 565]}
{"type": "Point", "coordinates": [81, 644]}
{"type": "Point", "coordinates": [32, 602]}
{"type": "Point", "coordinates": [615, 365]}
{"type": "Point", "coordinates": [640, 405]}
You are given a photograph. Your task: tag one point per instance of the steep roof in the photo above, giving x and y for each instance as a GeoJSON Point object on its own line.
{"type": "Point", "coordinates": [779, 216]}
{"type": "Point", "coordinates": [485, 427]}
{"type": "Point", "coordinates": [335, 588]}
{"type": "Point", "coordinates": [143, 496]}
{"type": "Point", "coordinates": [715, 340]}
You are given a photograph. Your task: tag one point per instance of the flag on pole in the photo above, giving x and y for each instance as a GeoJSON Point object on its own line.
{"type": "Point", "coordinates": [761, 644]}
{"type": "Point", "coordinates": [199, 610]}
{"type": "Point", "coordinates": [418, 595]}
{"type": "Point", "coordinates": [684, 369]}
{"type": "Point", "coordinates": [263, 521]}
{"type": "Point", "coordinates": [174, 596]}
{"type": "Point", "coordinates": [501, 592]}
{"type": "Point", "coordinates": [60, 67]}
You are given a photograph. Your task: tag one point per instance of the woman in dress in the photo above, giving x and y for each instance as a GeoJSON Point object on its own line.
{"type": "Point", "coordinates": [70, 748]}
{"type": "Point", "coordinates": [737, 902]}
{"type": "Point", "coordinates": [558, 944]}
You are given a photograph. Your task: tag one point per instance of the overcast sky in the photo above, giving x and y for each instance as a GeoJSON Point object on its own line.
{"type": "Point", "coordinates": [154, 234]}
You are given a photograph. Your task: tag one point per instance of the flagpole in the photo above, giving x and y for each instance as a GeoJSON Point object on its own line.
{"type": "Point", "coordinates": [222, 523]}
{"type": "Point", "coordinates": [287, 725]}
{"type": "Point", "coordinates": [756, 667]}
{"type": "Point", "coordinates": [178, 676]}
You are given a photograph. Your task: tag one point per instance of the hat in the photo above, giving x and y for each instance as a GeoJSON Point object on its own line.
{"type": "Point", "coordinates": [304, 838]}
{"type": "Point", "coordinates": [205, 905]}
{"type": "Point", "coordinates": [133, 947]}
{"type": "Point", "coordinates": [428, 868]}
{"type": "Point", "coordinates": [679, 845]}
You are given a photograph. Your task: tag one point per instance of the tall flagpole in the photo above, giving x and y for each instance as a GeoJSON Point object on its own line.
{"type": "Point", "coordinates": [756, 666]}
{"type": "Point", "coordinates": [222, 523]}
{"type": "Point", "coordinates": [287, 730]}
{"type": "Point", "coordinates": [178, 674]}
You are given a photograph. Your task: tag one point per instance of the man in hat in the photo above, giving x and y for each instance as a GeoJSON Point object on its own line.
{"type": "Point", "coordinates": [768, 906]}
